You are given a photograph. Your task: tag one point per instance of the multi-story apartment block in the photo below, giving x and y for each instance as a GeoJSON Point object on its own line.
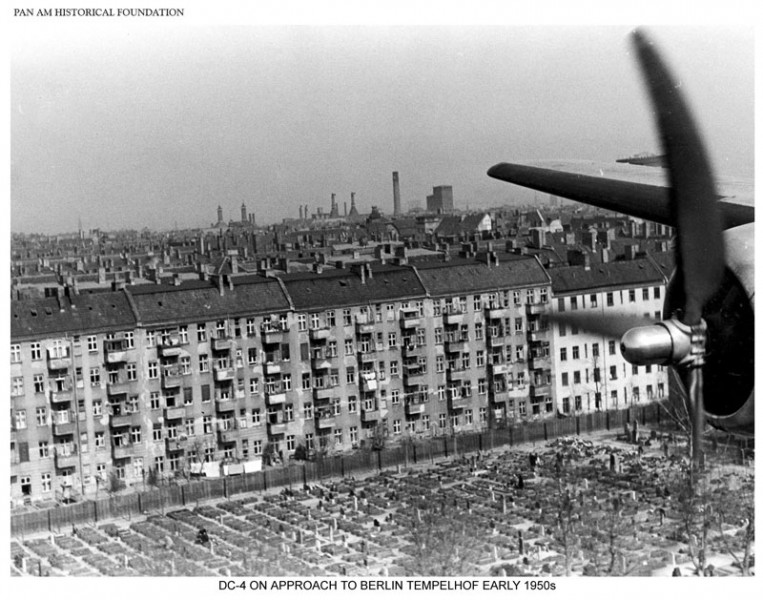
{"type": "Point", "coordinates": [589, 373]}
{"type": "Point", "coordinates": [163, 378]}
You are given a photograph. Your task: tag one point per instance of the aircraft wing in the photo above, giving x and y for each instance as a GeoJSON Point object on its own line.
{"type": "Point", "coordinates": [636, 190]}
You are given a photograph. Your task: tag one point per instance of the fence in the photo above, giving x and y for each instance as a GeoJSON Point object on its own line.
{"type": "Point", "coordinates": [416, 451]}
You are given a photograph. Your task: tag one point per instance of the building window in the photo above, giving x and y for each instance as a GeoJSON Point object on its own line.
{"type": "Point", "coordinates": [562, 354]}
{"type": "Point", "coordinates": [612, 346]}
{"type": "Point", "coordinates": [203, 363]}
{"type": "Point", "coordinates": [395, 396]}
{"type": "Point", "coordinates": [565, 379]}
{"type": "Point", "coordinates": [92, 343]}
{"type": "Point", "coordinates": [15, 353]}
{"type": "Point", "coordinates": [396, 426]}
{"type": "Point", "coordinates": [394, 368]}
{"type": "Point", "coordinates": [575, 352]}
{"type": "Point", "coordinates": [132, 372]}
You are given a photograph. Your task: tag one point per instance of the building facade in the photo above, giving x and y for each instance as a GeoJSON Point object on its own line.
{"type": "Point", "coordinates": [219, 374]}
{"type": "Point", "coordinates": [589, 372]}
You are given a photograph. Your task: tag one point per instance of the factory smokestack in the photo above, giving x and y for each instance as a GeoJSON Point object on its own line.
{"type": "Point", "coordinates": [396, 193]}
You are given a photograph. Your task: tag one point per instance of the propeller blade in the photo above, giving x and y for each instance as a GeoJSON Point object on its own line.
{"type": "Point", "coordinates": [606, 325]}
{"type": "Point", "coordinates": [700, 257]}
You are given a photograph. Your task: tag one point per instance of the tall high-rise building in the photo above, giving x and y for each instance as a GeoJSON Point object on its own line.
{"type": "Point", "coordinates": [441, 199]}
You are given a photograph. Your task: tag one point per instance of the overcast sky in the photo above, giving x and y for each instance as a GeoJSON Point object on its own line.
{"type": "Point", "coordinates": [156, 127]}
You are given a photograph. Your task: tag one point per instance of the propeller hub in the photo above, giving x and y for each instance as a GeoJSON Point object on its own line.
{"type": "Point", "coordinates": [663, 343]}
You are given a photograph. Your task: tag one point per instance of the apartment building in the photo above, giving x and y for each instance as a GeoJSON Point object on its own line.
{"type": "Point", "coordinates": [589, 373]}
{"type": "Point", "coordinates": [228, 371]}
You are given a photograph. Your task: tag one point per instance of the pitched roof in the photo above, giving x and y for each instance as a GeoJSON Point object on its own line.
{"type": "Point", "coordinates": [40, 317]}
{"type": "Point", "coordinates": [464, 275]}
{"type": "Point", "coordinates": [200, 300]}
{"type": "Point", "coordinates": [615, 275]}
{"type": "Point", "coordinates": [343, 287]}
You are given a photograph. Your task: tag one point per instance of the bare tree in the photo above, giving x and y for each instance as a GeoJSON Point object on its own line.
{"type": "Point", "coordinates": [741, 500]}
{"type": "Point", "coordinates": [567, 521]}
{"type": "Point", "coordinates": [443, 543]}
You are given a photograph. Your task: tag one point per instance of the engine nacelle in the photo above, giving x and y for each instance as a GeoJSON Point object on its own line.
{"type": "Point", "coordinates": [729, 371]}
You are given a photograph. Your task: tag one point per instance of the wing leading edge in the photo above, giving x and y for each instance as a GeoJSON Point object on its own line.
{"type": "Point", "coordinates": [642, 200]}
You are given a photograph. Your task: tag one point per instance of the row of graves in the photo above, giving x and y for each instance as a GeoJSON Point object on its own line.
{"type": "Point", "coordinates": [569, 507]}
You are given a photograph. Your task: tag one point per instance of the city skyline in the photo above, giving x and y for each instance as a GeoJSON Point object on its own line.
{"type": "Point", "coordinates": [141, 129]}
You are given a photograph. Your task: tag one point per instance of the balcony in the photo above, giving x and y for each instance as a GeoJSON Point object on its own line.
{"type": "Point", "coordinates": [320, 364]}
{"type": "Point", "coordinates": [453, 346]}
{"type": "Point", "coordinates": [536, 308]}
{"type": "Point", "coordinates": [58, 359]}
{"type": "Point", "coordinates": [501, 397]}
{"type": "Point", "coordinates": [327, 422]}
{"type": "Point", "coordinates": [410, 320]}
{"type": "Point", "coordinates": [320, 335]}
{"type": "Point", "coordinates": [66, 458]}
{"type": "Point", "coordinates": [457, 374]}
{"type": "Point", "coordinates": [176, 412]}
{"type": "Point", "coordinates": [415, 408]}
{"type": "Point", "coordinates": [324, 393]}
{"type": "Point", "coordinates": [272, 368]}
{"type": "Point", "coordinates": [116, 356]}
{"type": "Point", "coordinates": [61, 396]}
{"type": "Point", "coordinates": [369, 355]}
{"type": "Point", "coordinates": [453, 318]}
{"type": "Point", "coordinates": [419, 379]}
{"type": "Point", "coordinates": [414, 350]}
{"type": "Point", "coordinates": [172, 380]}
{"type": "Point", "coordinates": [365, 323]}
{"type": "Point", "coordinates": [119, 388]}
{"type": "Point", "coordinates": [539, 362]}
{"type": "Point", "coordinates": [169, 346]}
{"type": "Point", "coordinates": [64, 428]}
{"type": "Point", "coordinates": [276, 398]}
{"type": "Point", "coordinates": [222, 343]}
{"type": "Point", "coordinates": [274, 336]}
{"type": "Point", "coordinates": [225, 374]}
{"type": "Point", "coordinates": [227, 435]}
{"type": "Point", "coordinates": [518, 390]}
{"type": "Point", "coordinates": [368, 384]}
{"type": "Point", "coordinates": [500, 368]}
{"type": "Point", "coordinates": [127, 450]}
{"type": "Point", "coordinates": [498, 313]}
{"type": "Point", "coordinates": [496, 341]}
{"type": "Point", "coordinates": [539, 335]}
{"type": "Point", "coordinates": [460, 403]}
{"type": "Point", "coordinates": [126, 420]}
{"type": "Point", "coordinates": [277, 428]}
{"type": "Point", "coordinates": [177, 444]}
{"type": "Point", "coordinates": [540, 390]}
{"type": "Point", "coordinates": [370, 415]}
{"type": "Point", "coordinates": [225, 404]}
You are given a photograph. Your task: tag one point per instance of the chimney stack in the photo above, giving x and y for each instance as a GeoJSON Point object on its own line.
{"type": "Point", "coordinates": [396, 193]}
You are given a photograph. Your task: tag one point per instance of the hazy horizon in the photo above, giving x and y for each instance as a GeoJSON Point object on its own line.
{"type": "Point", "coordinates": [151, 127]}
